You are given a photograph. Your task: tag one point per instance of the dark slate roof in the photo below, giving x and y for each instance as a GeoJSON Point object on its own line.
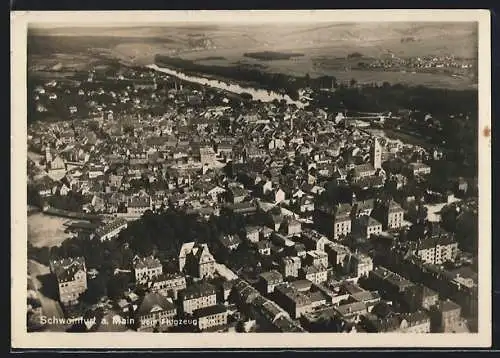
{"type": "Point", "coordinates": [65, 269]}
{"type": "Point", "coordinates": [110, 226]}
{"type": "Point", "coordinates": [199, 290]}
{"type": "Point", "coordinates": [153, 301]}
{"type": "Point", "coordinates": [148, 261]}
{"type": "Point", "coordinates": [208, 311]}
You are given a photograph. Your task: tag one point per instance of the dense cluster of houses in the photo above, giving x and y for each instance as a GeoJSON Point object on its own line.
{"type": "Point", "coordinates": [268, 161]}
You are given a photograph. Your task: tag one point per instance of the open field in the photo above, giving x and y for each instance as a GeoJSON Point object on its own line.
{"type": "Point", "coordinates": [226, 45]}
{"type": "Point", "coordinates": [46, 231]}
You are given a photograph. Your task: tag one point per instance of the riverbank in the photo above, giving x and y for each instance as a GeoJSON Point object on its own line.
{"type": "Point", "coordinates": [257, 94]}
{"type": "Point", "coordinates": [71, 214]}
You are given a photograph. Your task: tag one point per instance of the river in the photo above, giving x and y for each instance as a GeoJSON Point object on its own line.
{"type": "Point", "coordinates": [257, 94]}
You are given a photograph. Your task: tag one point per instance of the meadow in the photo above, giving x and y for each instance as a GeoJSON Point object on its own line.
{"type": "Point", "coordinates": [46, 231]}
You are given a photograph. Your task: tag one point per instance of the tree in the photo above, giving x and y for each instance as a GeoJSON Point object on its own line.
{"type": "Point", "coordinates": [118, 285]}
{"type": "Point", "coordinates": [97, 288]}
{"type": "Point", "coordinates": [307, 79]}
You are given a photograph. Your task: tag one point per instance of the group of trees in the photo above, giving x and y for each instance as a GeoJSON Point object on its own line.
{"type": "Point", "coordinates": [387, 97]}
{"type": "Point", "coordinates": [463, 222]}
{"type": "Point", "coordinates": [272, 81]}
{"type": "Point", "coordinates": [163, 233]}
{"type": "Point", "coordinates": [105, 257]}
{"type": "Point", "coordinates": [73, 201]}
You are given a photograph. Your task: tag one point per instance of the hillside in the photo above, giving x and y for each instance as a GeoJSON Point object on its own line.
{"type": "Point", "coordinates": [228, 44]}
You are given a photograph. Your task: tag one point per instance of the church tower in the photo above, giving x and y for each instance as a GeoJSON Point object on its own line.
{"type": "Point", "coordinates": [48, 156]}
{"type": "Point", "coordinates": [376, 154]}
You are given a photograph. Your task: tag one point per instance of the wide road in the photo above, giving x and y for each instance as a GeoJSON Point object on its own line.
{"type": "Point", "coordinates": [51, 308]}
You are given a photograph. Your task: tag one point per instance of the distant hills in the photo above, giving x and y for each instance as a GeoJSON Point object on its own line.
{"type": "Point", "coordinates": [458, 39]}
{"type": "Point", "coordinates": [267, 45]}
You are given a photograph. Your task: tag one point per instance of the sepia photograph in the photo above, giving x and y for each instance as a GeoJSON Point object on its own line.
{"type": "Point", "coordinates": [182, 179]}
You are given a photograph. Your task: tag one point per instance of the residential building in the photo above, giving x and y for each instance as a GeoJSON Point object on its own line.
{"type": "Point", "coordinates": [334, 222]}
{"type": "Point", "coordinates": [168, 284]}
{"type": "Point", "coordinates": [210, 317]}
{"type": "Point", "coordinates": [293, 301]}
{"type": "Point", "coordinates": [446, 316]}
{"type": "Point", "coordinates": [318, 298]}
{"type": "Point", "coordinates": [317, 258]}
{"type": "Point", "coordinates": [427, 298]}
{"type": "Point", "coordinates": [229, 242]}
{"type": "Point", "coordinates": [292, 227]}
{"type": "Point", "coordinates": [416, 169]}
{"type": "Point", "coordinates": [196, 260]}
{"type": "Point", "coordinates": [302, 285]}
{"type": "Point", "coordinates": [437, 249]}
{"type": "Point", "coordinates": [388, 282]}
{"type": "Point", "coordinates": [313, 240]}
{"type": "Point", "coordinates": [265, 232]}
{"type": "Point", "coordinates": [290, 266]}
{"type": "Point", "coordinates": [207, 156]}
{"type": "Point", "coordinates": [263, 247]}
{"type": "Point", "coordinates": [369, 298]}
{"type": "Point", "coordinates": [154, 313]}
{"type": "Point", "coordinates": [390, 214]}
{"type": "Point", "coordinates": [298, 249]}
{"type": "Point", "coordinates": [417, 322]}
{"type": "Point", "coordinates": [366, 226]}
{"type": "Point", "coordinates": [237, 194]}
{"type": "Point", "coordinates": [252, 233]}
{"type": "Point", "coordinates": [419, 297]}
{"type": "Point", "coordinates": [338, 256]}
{"type": "Point", "coordinates": [272, 318]}
{"type": "Point", "coordinates": [351, 311]}
{"type": "Point", "coordinates": [71, 276]}
{"type": "Point", "coordinates": [315, 274]}
{"type": "Point", "coordinates": [111, 230]}
{"type": "Point", "coordinates": [146, 269]}
{"type": "Point", "coordinates": [269, 280]}
{"type": "Point", "coordinates": [361, 171]}
{"type": "Point", "coordinates": [138, 205]}
{"type": "Point", "coordinates": [360, 264]}
{"type": "Point", "coordinates": [278, 195]}
{"type": "Point", "coordinates": [362, 208]}
{"type": "Point", "coordinates": [198, 295]}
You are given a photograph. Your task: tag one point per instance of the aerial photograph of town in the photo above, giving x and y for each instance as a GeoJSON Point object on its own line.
{"type": "Point", "coordinates": [233, 177]}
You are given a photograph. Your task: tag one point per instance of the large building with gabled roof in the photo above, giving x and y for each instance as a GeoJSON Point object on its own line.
{"type": "Point", "coordinates": [71, 275]}
{"type": "Point", "coordinates": [196, 260]}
